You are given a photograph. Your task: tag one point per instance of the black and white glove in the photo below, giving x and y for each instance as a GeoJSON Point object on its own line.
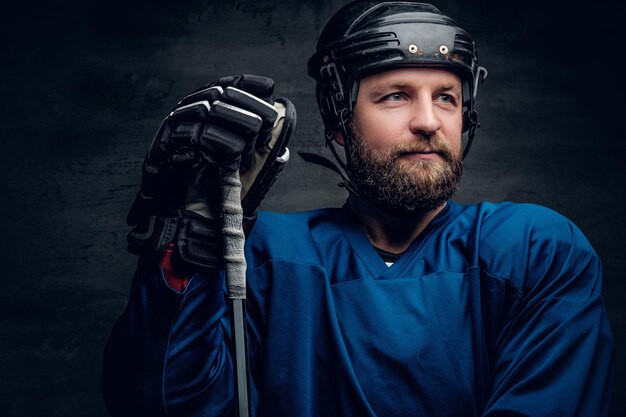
{"type": "Point", "coordinates": [229, 125]}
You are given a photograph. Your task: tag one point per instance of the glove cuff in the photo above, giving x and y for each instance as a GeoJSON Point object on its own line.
{"type": "Point", "coordinates": [198, 240]}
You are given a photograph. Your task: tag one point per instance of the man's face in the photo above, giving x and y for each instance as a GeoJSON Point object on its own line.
{"type": "Point", "coordinates": [406, 139]}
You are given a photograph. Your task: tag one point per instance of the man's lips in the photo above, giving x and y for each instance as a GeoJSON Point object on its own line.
{"type": "Point", "coordinates": [423, 154]}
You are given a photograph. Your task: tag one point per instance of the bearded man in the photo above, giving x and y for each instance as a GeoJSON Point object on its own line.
{"type": "Point", "coordinates": [401, 302]}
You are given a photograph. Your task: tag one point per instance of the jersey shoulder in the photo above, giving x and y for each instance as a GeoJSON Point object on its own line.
{"type": "Point", "coordinates": [527, 243]}
{"type": "Point", "coordinates": [509, 220]}
{"type": "Point", "coordinates": [294, 236]}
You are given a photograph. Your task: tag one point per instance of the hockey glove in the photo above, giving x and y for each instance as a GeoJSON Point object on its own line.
{"type": "Point", "coordinates": [228, 125]}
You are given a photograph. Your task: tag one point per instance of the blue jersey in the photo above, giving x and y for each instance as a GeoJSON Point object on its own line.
{"type": "Point", "coordinates": [494, 310]}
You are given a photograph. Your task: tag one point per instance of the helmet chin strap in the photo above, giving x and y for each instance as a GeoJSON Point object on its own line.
{"type": "Point", "coordinates": [340, 167]}
{"type": "Point", "coordinates": [345, 114]}
{"type": "Point", "coordinates": [471, 116]}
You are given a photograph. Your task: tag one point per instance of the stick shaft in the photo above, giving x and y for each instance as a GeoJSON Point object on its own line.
{"type": "Point", "coordinates": [241, 360]}
{"type": "Point", "coordinates": [235, 266]}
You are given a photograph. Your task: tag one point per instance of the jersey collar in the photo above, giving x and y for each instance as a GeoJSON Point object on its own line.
{"type": "Point", "coordinates": [365, 251]}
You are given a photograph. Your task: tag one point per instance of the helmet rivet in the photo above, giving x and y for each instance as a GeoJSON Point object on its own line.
{"type": "Point", "coordinates": [326, 59]}
{"type": "Point", "coordinates": [443, 49]}
{"type": "Point", "coordinates": [412, 48]}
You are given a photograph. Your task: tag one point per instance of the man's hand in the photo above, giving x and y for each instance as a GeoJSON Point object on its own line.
{"type": "Point", "coordinates": [229, 125]}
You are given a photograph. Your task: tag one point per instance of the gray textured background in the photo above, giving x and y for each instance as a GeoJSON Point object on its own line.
{"type": "Point", "coordinates": [84, 85]}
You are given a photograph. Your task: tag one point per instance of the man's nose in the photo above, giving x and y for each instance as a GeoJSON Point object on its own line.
{"type": "Point", "coordinates": [424, 121]}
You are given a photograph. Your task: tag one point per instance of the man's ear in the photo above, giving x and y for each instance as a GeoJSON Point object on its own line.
{"type": "Point", "coordinates": [339, 137]}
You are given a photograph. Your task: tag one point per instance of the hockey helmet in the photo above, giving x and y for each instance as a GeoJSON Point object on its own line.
{"type": "Point", "coordinates": [365, 37]}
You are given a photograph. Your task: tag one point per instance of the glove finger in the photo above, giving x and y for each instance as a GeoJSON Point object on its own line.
{"type": "Point", "coordinates": [156, 156]}
{"type": "Point", "coordinates": [168, 144]}
{"type": "Point", "coordinates": [254, 104]}
{"type": "Point", "coordinates": [257, 85]}
{"type": "Point", "coordinates": [182, 134]}
{"type": "Point", "coordinates": [181, 128]}
{"type": "Point", "coordinates": [183, 157]}
{"type": "Point", "coordinates": [241, 122]}
{"type": "Point", "coordinates": [158, 149]}
{"type": "Point", "coordinates": [222, 146]}
{"type": "Point", "coordinates": [245, 100]}
{"type": "Point", "coordinates": [238, 120]}
{"type": "Point", "coordinates": [209, 94]}
{"type": "Point", "coordinates": [196, 112]}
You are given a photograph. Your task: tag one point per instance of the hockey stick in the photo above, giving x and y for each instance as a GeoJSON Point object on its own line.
{"type": "Point", "coordinates": [235, 266]}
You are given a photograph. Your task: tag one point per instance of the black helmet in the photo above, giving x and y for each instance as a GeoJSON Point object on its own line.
{"type": "Point", "coordinates": [365, 37]}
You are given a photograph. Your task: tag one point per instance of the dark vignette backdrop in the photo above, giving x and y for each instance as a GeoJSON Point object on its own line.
{"type": "Point", "coordinates": [85, 84]}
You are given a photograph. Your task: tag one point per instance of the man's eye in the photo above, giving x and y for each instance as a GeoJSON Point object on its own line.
{"type": "Point", "coordinates": [395, 97]}
{"type": "Point", "coordinates": [446, 98]}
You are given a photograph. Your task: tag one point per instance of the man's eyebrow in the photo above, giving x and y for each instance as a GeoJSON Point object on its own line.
{"type": "Point", "coordinates": [391, 84]}
{"type": "Point", "coordinates": [451, 87]}
{"type": "Point", "coordinates": [382, 87]}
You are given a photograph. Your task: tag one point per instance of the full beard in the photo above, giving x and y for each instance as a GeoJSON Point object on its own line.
{"type": "Point", "coordinates": [403, 188]}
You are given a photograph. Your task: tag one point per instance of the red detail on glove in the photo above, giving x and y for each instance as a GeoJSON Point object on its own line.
{"type": "Point", "coordinates": [176, 279]}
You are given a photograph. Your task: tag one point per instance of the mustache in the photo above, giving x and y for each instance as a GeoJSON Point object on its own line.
{"type": "Point", "coordinates": [422, 144]}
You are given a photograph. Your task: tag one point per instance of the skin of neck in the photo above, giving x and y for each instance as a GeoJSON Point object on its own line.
{"type": "Point", "coordinates": [392, 234]}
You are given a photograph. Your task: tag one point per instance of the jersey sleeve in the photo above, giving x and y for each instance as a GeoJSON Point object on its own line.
{"type": "Point", "coordinates": [168, 352]}
{"type": "Point", "coordinates": [553, 357]}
